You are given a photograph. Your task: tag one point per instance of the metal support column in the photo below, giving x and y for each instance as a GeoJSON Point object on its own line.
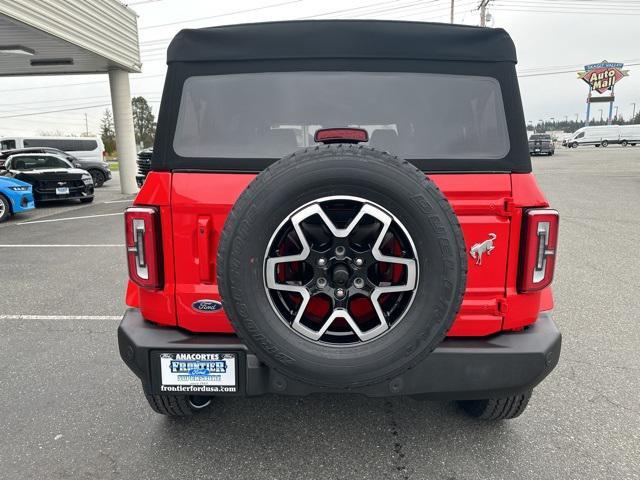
{"type": "Point", "coordinates": [610, 120]}
{"type": "Point", "coordinates": [588, 119]}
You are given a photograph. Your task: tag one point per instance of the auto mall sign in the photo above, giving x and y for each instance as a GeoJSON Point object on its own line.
{"type": "Point", "coordinates": [603, 76]}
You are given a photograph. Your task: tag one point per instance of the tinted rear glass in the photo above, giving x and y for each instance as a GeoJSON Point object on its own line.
{"type": "Point", "coordinates": [36, 162]}
{"type": "Point", "coordinates": [66, 145]}
{"type": "Point", "coordinates": [414, 115]}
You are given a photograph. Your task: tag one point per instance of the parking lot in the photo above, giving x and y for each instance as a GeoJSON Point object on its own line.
{"type": "Point", "coordinates": [70, 407]}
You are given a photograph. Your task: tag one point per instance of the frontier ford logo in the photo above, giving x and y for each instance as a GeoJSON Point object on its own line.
{"type": "Point", "coordinates": [206, 306]}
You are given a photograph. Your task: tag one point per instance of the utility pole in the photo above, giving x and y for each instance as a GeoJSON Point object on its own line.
{"type": "Point", "coordinates": [452, 10]}
{"type": "Point", "coordinates": [86, 124]}
{"type": "Point", "coordinates": [483, 12]}
{"type": "Point", "coordinates": [634, 111]}
{"type": "Point", "coordinates": [577, 117]}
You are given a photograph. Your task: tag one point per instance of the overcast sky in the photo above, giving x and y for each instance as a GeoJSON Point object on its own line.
{"type": "Point", "coordinates": [550, 35]}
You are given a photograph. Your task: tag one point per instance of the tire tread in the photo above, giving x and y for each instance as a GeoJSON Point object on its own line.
{"type": "Point", "coordinates": [170, 405]}
{"type": "Point", "coordinates": [493, 409]}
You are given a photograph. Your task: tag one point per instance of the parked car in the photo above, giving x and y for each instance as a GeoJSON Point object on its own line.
{"type": "Point", "coordinates": [144, 165]}
{"type": "Point", "coordinates": [541, 144]}
{"type": "Point", "coordinates": [82, 148]}
{"type": "Point", "coordinates": [98, 169]}
{"type": "Point", "coordinates": [603, 136]}
{"type": "Point", "coordinates": [409, 254]}
{"type": "Point", "coordinates": [15, 197]}
{"type": "Point", "coordinates": [52, 177]}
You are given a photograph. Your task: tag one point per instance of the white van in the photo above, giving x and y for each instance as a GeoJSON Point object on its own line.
{"type": "Point", "coordinates": [605, 135]}
{"type": "Point", "coordinates": [83, 148]}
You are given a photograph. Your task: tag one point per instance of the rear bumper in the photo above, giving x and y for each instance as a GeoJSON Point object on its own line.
{"type": "Point", "coordinates": [459, 369]}
{"type": "Point", "coordinates": [22, 202]}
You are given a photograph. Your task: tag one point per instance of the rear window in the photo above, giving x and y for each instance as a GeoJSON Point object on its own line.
{"type": "Point", "coordinates": [413, 115]}
{"type": "Point", "coordinates": [540, 137]}
{"type": "Point", "coordinates": [66, 145]}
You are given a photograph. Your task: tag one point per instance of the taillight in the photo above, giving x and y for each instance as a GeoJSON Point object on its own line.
{"type": "Point", "coordinates": [144, 249]}
{"type": "Point", "coordinates": [538, 254]}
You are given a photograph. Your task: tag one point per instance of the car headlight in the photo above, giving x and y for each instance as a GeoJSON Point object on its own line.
{"type": "Point", "coordinates": [86, 178]}
{"type": "Point", "coordinates": [19, 189]}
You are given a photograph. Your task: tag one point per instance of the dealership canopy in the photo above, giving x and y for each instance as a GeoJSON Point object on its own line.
{"type": "Point", "coordinates": [58, 37]}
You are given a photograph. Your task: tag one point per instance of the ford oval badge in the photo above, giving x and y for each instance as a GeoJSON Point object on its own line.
{"type": "Point", "coordinates": [206, 306]}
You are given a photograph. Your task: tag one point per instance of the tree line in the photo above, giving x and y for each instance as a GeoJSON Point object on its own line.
{"type": "Point", "coordinates": [570, 126]}
{"type": "Point", "coordinates": [144, 126]}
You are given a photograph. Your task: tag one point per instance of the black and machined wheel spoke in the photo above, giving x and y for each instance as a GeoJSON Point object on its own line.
{"type": "Point", "coordinates": [336, 262]}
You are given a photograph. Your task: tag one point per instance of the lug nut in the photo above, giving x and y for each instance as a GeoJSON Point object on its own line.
{"type": "Point", "coordinates": [340, 251]}
{"type": "Point", "coordinates": [340, 293]}
{"type": "Point", "coordinates": [322, 262]}
{"type": "Point", "coordinates": [359, 262]}
{"type": "Point", "coordinates": [358, 282]}
{"type": "Point", "coordinates": [321, 282]}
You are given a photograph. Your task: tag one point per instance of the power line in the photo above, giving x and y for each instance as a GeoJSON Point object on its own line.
{"type": "Point", "coordinates": [568, 6]}
{"type": "Point", "coordinates": [573, 70]}
{"type": "Point", "coordinates": [84, 107]}
{"type": "Point", "coordinates": [65, 85]}
{"type": "Point", "coordinates": [229, 14]}
{"type": "Point", "coordinates": [315, 16]}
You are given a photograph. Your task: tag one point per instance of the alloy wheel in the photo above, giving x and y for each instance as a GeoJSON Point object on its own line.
{"type": "Point", "coordinates": [341, 270]}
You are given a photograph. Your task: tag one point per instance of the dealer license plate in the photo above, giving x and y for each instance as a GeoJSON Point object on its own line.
{"type": "Point", "coordinates": [62, 191]}
{"type": "Point", "coordinates": [198, 372]}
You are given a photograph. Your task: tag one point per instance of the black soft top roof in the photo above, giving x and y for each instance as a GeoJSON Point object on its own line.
{"type": "Point", "coordinates": [342, 39]}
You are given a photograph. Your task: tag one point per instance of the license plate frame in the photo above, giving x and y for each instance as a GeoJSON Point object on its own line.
{"type": "Point", "coordinates": [62, 190]}
{"type": "Point", "coordinates": [197, 372]}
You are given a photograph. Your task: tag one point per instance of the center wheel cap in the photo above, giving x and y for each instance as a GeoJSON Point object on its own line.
{"type": "Point", "coordinates": [340, 274]}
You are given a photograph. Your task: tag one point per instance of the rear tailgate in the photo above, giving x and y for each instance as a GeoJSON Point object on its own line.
{"type": "Point", "coordinates": [201, 202]}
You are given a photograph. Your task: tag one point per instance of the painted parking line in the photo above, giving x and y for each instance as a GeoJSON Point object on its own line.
{"type": "Point", "coordinates": [60, 317]}
{"type": "Point", "coordinates": [106, 245]}
{"type": "Point", "coordinates": [120, 201]}
{"type": "Point", "coordinates": [70, 218]}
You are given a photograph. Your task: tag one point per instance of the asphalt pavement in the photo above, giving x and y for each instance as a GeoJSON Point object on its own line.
{"type": "Point", "coordinates": [69, 408]}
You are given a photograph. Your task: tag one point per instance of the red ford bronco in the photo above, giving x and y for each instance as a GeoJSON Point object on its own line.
{"type": "Point", "coordinates": [341, 206]}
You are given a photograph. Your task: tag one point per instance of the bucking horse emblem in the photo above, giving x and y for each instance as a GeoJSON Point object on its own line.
{"type": "Point", "coordinates": [479, 249]}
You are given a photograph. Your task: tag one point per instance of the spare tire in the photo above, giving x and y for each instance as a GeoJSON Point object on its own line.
{"type": "Point", "coordinates": [341, 266]}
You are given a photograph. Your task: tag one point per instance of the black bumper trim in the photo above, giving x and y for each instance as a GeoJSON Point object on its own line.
{"type": "Point", "coordinates": [460, 368]}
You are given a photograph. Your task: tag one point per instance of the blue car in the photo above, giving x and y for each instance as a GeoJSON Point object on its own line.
{"type": "Point", "coordinates": [15, 196]}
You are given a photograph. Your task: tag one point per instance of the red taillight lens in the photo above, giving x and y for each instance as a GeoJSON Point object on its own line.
{"type": "Point", "coordinates": [144, 252]}
{"type": "Point", "coordinates": [341, 135]}
{"type": "Point", "coordinates": [538, 254]}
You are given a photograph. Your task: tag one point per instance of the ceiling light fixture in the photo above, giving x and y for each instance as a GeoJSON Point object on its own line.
{"type": "Point", "coordinates": [51, 62]}
{"type": "Point", "coordinates": [16, 50]}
